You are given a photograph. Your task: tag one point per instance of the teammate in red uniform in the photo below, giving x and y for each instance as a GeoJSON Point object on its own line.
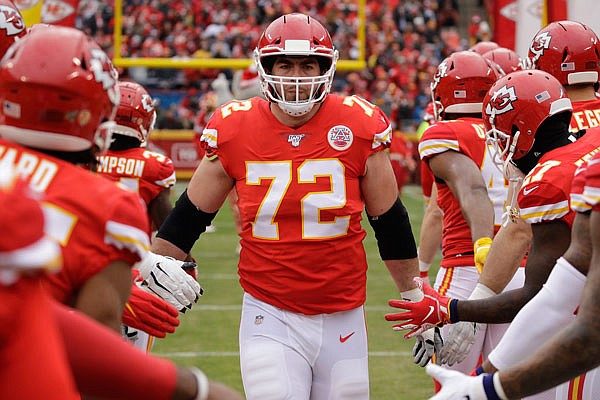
{"type": "Point", "coordinates": [304, 163]}
{"type": "Point", "coordinates": [26, 254]}
{"type": "Point", "coordinates": [531, 101]}
{"type": "Point", "coordinates": [76, 354]}
{"type": "Point", "coordinates": [560, 358]}
{"type": "Point", "coordinates": [570, 51]}
{"type": "Point", "coordinates": [60, 111]}
{"type": "Point", "coordinates": [470, 192]}
{"type": "Point", "coordinates": [149, 174]}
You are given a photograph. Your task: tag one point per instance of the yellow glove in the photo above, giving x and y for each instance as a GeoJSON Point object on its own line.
{"type": "Point", "coordinates": [481, 249]}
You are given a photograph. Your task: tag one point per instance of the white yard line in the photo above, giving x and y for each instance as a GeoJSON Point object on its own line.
{"type": "Point", "coordinates": [189, 354]}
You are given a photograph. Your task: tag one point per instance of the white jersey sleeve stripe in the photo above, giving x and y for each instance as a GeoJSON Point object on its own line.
{"type": "Point", "coordinates": [591, 195]}
{"type": "Point", "coordinates": [210, 137]}
{"type": "Point", "coordinates": [435, 146]}
{"type": "Point", "coordinates": [167, 182]}
{"type": "Point", "coordinates": [578, 203]}
{"type": "Point", "coordinates": [384, 137]}
{"type": "Point", "coordinates": [548, 212]}
{"type": "Point", "coordinates": [127, 237]}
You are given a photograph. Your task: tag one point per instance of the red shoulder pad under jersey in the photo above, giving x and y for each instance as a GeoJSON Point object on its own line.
{"type": "Point", "coordinates": [591, 191]}
{"type": "Point", "coordinates": [586, 115]}
{"type": "Point", "coordinates": [145, 172]}
{"type": "Point", "coordinates": [464, 135]}
{"type": "Point", "coordinates": [94, 221]}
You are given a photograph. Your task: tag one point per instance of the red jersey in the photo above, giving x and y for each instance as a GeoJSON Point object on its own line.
{"type": "Point", "coordinates": [586, 115]}
{"type": "Point", "coordinates": [144, 172]}
{"type": "Point", "coordinates": [588, 180]}
{"type": "Point", "coordinates": [299, 199]}
{"type": "Point", "coordinates": [466, 136]}
{"type": "Point", "coordinates": [545, 192]}
{"type": "Point", "coordinates": [427, 181]}
{"type": "Point", "coordinates": [94, 221]}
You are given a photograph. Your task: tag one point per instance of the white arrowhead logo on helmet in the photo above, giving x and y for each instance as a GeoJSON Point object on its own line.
{"type": "Point", "coordinates": [540, 43]}
{"type": "Point", "coordinates": [501, 101]}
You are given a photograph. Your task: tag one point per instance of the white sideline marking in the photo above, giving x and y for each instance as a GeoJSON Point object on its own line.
{"type": "Point", "coordinates": [189, 354]}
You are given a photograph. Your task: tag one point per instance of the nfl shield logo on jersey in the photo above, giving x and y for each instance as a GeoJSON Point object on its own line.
{"type": "Point", "coordinates": [295, 139]}
{"type": "Point", "coordinates": [340, 137]}
{"type": "Point", "coordinates": [258, 319]}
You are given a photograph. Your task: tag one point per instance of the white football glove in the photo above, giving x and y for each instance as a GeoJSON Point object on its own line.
{"type": "Point", "coordinates": [164, 277]}
{"type": "Point", "coordinates": [458, 386]}
{"type": "Point", "coordinates": [460, 338]}
{"type": "Point", "coordinates": [427, 343]}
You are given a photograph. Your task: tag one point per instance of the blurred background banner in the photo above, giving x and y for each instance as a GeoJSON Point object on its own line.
{"type": "Point", "coordinates": [60, 12]}
{"type": "Point", "coordinates": [31, 10]}
{"type": "Point", "coordinates": [515, 22]}
{"type": "Point", "coordinates": [54, 12]}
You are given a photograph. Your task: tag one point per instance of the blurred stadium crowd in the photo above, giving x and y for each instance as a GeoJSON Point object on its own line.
{"type": "Point", "coordinates": [405, 41]}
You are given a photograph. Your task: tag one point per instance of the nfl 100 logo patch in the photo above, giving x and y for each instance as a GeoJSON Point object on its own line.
{"type": "Point", "coordinates": [340, 137]}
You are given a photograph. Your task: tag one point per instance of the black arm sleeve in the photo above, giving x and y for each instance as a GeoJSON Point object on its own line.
{"type": "Point", "coordinates": [394, 234]}
{"type": "Point", "coordinates": [184, 224]}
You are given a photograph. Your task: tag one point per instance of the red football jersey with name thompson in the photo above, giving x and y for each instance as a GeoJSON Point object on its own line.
{"type": "Point", "coordinates": [144, 172]}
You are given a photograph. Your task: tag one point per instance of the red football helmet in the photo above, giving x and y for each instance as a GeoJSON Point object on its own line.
{"type": "Point", "coordinates": [57, 97]}
{"type": "Point", "coordinates": [483, 47]}
{"type": "Point", "coordinates": [460, 83]}
{"type": "Point", "coordinates": [135, 115]}
{"type": "Point", "coordinates": [568, 50]}
{"type": "Point", "coordinates": [514, 109]}
{"type": "Point", "coordinates": [12, 25]}
{"type": "Point", "coordinates": [295, 35]}
{"type": "Point", "coordinates": [507, 60]}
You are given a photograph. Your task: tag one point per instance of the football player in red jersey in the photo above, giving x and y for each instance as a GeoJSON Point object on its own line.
{"type": "Point", "coordinates": [76, 353]}
{"type": "Point", "coordinates": [305, 163]}
{"type": "Point", "coordinates": [149, 174]}
{"type": "Point", "coordinates": [561, 357]}
{"type": "Point", "coordinates": [527, 115]}
{"type": "Point", "coordinates": [570, 51]}
{"type": "Point", "coordinates": [57, 104]}
{"type": "Point", "coordinates": [26, 254]}
{"type": "Point", "coordinates": [470, 193]}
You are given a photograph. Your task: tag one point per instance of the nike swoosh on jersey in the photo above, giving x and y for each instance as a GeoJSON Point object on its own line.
{"type": "Point", "coordinates": [344, 338]}
{"type": "Point", "coordinates": [526, 191]}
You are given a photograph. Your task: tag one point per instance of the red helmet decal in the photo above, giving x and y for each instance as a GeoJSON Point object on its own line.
{"type": "Point", "coordinates": [540, 43]}
{"type": "Point", "coordinates": [11, 20]}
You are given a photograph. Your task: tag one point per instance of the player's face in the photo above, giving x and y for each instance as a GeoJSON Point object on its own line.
{"type": "Point", "coordinates": [296, 67]}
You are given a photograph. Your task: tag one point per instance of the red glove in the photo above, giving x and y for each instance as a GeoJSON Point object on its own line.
{"type": "Point", "coordinates": [434, 310]}
{"type": "Point", "coordinates": [149, 313]}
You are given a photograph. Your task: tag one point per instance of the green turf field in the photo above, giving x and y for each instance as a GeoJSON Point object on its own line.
{"type": "Point", "coordinates": [207, 337]}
